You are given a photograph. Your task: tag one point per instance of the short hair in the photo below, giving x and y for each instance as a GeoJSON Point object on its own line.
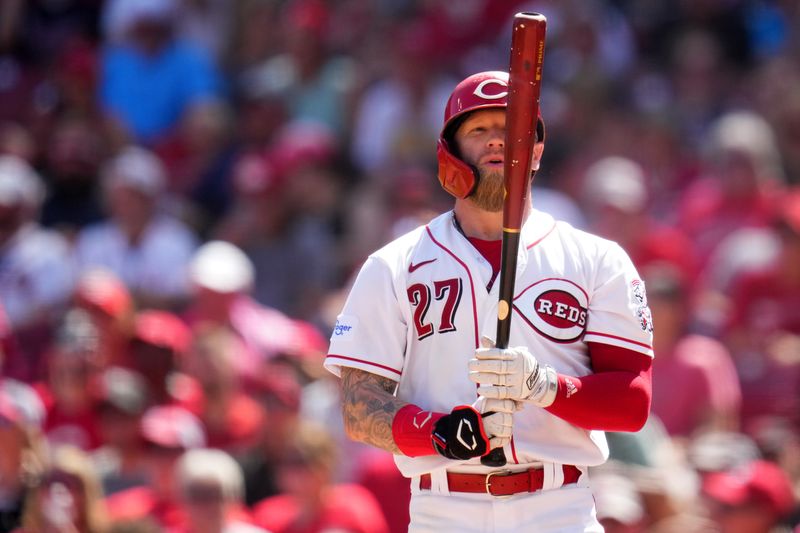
{"type": "Point", "coordinates": [203, 465]}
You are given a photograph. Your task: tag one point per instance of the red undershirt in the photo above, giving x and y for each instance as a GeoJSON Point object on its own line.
{"type": "Point", "coordinates": [616, 397]}
{"type": "Point", "coordinates": [491, 251]}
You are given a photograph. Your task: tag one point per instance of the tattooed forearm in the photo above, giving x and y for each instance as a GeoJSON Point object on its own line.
{"type": "Point", "coordinates": [369, 407]}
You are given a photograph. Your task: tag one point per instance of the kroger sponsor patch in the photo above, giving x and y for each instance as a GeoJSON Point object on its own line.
{"type": "Point", "coordinates": [344, 328]}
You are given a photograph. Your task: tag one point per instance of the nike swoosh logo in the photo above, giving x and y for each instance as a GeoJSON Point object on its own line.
{"type": "Point", "coordinates": [412, 267]}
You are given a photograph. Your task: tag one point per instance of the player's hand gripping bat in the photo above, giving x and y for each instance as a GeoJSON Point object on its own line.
{"type": "Point", "coordinates": [524, 87]}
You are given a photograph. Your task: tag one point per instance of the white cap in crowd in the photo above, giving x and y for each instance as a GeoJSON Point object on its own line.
{"type": "Point", "coordinates": [221, 267]}
{"type": "Point", "coordinates": [137, 168]}
{"type": "Point", "coordinates": [748, 133]}
{"type": "Point", "coordinates": [618, 182]}
{"type": "Point", "coordinates": [20, 184]}
{"type": "Point", "coordinates": [206, 466]}
{"type": "Point", "coordinates": [120, 15]}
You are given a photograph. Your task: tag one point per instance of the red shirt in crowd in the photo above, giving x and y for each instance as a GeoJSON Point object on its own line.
{"type": "Point", "coordinates": [349, 508]}
{"type": "Point", "coordinates": [695, 382]}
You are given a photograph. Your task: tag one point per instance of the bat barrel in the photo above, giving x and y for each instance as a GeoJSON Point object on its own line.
{"type": "Point", "coordinates": [524, 86]}
{"type": "Point", "coordinates": [525, 75]}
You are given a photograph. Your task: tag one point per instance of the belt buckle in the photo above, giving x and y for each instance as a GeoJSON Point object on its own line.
{"type": "Point", "coordinates": [504, 472]}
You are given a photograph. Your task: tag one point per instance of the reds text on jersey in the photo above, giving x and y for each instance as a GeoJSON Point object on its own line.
{"type": "Point", "coordinates": [419, 305]}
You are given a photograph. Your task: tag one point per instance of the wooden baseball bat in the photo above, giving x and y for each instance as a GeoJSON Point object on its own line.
{"type": "Point", "coordinates": [522, 112]}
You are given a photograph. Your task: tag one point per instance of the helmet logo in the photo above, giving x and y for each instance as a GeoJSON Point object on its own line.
{"type": "Point", "coordinates": [479, 92]}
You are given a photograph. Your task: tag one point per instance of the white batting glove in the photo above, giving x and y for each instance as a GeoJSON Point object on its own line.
{"type": "Point", "coordinates": [513, 373]}
{"type": "Point", "coordinates": [499, 423]}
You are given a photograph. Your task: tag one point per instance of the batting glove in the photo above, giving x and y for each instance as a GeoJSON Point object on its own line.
{"type": "Point", "coordinates": [513, 373]}
{"type": "Point", "coordinates": [461, 435]}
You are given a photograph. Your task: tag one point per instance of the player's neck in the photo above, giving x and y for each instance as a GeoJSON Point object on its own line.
{"type": "Point", "coordinates": [479, 224]}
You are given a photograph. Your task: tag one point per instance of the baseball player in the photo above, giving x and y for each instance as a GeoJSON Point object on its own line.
{"type": "Point", "coordinates": [415, 338]}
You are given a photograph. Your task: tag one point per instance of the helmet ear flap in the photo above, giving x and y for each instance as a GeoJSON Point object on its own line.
{"type": "Point", "coordinates": [455, 176]}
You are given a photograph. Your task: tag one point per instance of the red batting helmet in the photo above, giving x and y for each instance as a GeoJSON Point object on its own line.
{"type": "Point", "coordinates": [484, 90]}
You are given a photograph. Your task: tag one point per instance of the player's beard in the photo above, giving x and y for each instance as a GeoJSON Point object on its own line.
{"type": "Point", "coordinates": [490, 191]}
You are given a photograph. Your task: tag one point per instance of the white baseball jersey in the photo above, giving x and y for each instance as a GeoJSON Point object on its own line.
{"type": "Point", "coordinates": [419, 306]}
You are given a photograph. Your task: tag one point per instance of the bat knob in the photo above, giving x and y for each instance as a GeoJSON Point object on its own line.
{"type": "Point", "coordinates": [494, 458]}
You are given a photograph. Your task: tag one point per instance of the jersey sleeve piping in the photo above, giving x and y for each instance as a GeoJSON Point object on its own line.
{"type": "Point", "coordinates": [616, 340]}
{"type": "Point", "coordinates": [362, 364]}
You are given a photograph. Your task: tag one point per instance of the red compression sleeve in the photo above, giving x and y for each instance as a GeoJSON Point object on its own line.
{"type": "Point", "coordinates": [411, 429]}
{"type": "Point", "coordinates": [616, 397]}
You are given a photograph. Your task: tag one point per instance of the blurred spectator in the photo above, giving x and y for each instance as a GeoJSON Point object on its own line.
{"type": "Point", "coordinates": [278, 391]}
{"type": "Point", "coordinates": [207, 24]}
{"type": "Point", "coordinates": [36, 274]}
{"type": "Point", "coordinates": [121, 397]}
{"type": "Point", "coordinates": [23, 78]}
{"type": "Point", "coordinates": [754, 498]}
{"type": "Point", "coordinates": [463, 29]}
{"type": "Point", "coordinates": [381, 210]}
{"type": "Point", "coordinates": [739, 185]}
{"type": "Point", "coordinates": [249, 43]}
{"type": "Point", "coordinates": [315, 85]}
{"type": "Point", "coordinates": [305, 155]}
{"type": "Point", "coordinates": [68, 498]}
{"type": "Point", "coordinates": [107, 301]}
{"type": "Point", "coordinates": [168, 432]}
{"type": "Point", "coordinates": [709, 396]}
{"type": "Point", "coordinates": [410, 98]}
{"type": "Point", "coordinates": [764, 327]}
{"type": "Point", "coordinates": [147, 249]}
{"type": "Point", "coordinates": [71, 366]}
{"type": "Point", "coordinates": [310, 502]}
{"type": "Point", "coordinates": [198, 158]}
{"type": "Point", "coordinates": [616, 198]}
{"type": "Point", "coordinates": [211, 489]}
{"type": "Point", "coordinates": [160, 341]}
{"type": "Point", "coordinates": [75, 80]}
{"type": "Point", "coordinates": [22, 448]}
{"type": "Point", "coordinates": [51, 27]}
{"type": "Point", "coordinates": [16, 140]}
{"type": "Point", "coordinates": [149, 78]}
{"type": "Point", "coordinates": [260, 116]}
{"type": "Point", "coordinates": [284, 217]}
{"type": "Point", "coordinates": [232, 418]}
{"type": "Point", "coordinates": [72, 158]}
{"type": "Point", "coordinates": [222, 277]}
{"type": "Point", "coordinates": [698, 73]}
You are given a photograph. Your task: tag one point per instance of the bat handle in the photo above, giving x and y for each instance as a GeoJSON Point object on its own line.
{"type": "Point", "coordinates": [495, 458]}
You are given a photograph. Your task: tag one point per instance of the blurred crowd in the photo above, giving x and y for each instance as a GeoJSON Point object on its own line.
{"type": "Point", "coordinates": [187, 188]}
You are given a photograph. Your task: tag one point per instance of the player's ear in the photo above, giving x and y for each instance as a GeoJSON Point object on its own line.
{"type": "Point", "coordinates": [538, 150]}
